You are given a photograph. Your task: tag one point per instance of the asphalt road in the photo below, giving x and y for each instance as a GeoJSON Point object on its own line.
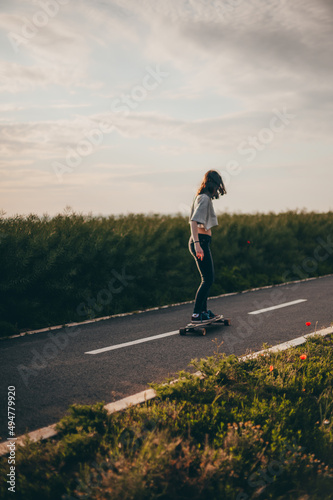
{"type": "Point", "coordinates": [52, 370]}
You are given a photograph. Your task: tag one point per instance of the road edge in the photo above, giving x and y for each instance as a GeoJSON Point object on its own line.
{"type": "Point", "coordinates": [158, 308]}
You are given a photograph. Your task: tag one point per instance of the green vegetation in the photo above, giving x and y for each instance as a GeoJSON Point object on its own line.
{"type": "Point", "coordinates": [66, 268]}
{"type": "Point", "coordinates": [254, 429]}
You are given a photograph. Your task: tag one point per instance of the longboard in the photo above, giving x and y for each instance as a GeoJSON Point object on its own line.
{"type": "Point", "coordinates": [201, 327]}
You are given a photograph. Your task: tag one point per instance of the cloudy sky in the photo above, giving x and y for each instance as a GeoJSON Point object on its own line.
{"type": "Point", "coordinates": [118, 106]}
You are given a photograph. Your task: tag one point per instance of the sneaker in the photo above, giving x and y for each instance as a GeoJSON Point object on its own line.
{"type": "Point", "coordinates": [211, 315]}
{"type": "Point", "coordinates": [200, 318]}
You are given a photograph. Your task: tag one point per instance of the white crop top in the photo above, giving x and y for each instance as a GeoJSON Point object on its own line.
{"type": "Point", "coordinates": [203, 211]}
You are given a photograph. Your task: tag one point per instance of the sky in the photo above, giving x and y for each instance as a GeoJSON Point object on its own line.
{"type": "Point", "coordinates": [120, 106]}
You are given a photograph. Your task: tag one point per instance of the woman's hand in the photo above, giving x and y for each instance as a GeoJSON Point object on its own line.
{"type": "Point", "coordinates": [198, 251]}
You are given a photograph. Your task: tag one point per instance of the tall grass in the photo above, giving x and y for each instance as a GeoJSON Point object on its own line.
{"type": "Point", "coordinates": [255, 429]}
{"type": "Point", "coordinates": [54, 270]}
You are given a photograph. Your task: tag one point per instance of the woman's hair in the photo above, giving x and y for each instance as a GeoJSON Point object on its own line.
{"type": "Point", "coordinates": [212, 184]}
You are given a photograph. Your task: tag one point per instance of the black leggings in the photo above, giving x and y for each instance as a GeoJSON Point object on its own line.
{"type": "Point", "coordinates": [206, 270]}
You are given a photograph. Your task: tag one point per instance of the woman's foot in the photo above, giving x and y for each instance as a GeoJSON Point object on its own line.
{"type": "Point", "coordinates": [210, 314]}
{"type": "Point", "coordinates": [200, 318]}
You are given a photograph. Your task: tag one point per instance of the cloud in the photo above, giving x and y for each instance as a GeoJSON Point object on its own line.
{"type": "Point", "coordinates": [24, 179]}
{"type": "Point", "coordinates": [43, 139]}
{"type": "Point", "coordinates": [16, 78]}
{"type": "Point", "coordinates": [102, 174]}
{"type": "Point", "coordinates": [259, 53]}
{"type": "Point", "coordinates": [11, 107]}
{"type": "Point", "coordinates": [223, 133]}
{"type": "Point", "coordinates": [54, 53]}
{"type": "Point", "coordinates": [51, 140]}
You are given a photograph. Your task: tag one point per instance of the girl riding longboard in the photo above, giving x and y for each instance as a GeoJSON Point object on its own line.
{"type": "Point", "coordinates": [202, 219]}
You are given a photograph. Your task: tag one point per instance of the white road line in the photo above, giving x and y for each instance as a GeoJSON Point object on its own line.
{"type": "Point", "coordinates": [168, 334]}
{"type": "Point", "coordinates": [126, 344]}
{"type": "Point", "coordinates": [286, 304]}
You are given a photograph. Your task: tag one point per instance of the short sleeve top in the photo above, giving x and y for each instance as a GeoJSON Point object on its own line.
{"type": "Point", "coordinates": [203, 211]}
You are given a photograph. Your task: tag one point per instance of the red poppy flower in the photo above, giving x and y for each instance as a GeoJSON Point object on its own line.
{"type": "Point", "coordinates": [248, 242]}
{"type": "Point", "coordinates": [303, 356]}
{"type": "Point", "coordinates": [308, 323]}
{"type": "Point", "coordinates": [271, 368]}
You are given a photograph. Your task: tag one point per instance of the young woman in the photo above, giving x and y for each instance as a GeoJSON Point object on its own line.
{"type": "Point", "coordinates": [202, 219]}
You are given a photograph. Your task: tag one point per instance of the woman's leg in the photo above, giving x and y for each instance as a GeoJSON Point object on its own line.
{"type": "Point", "coordinates": [206, 270]}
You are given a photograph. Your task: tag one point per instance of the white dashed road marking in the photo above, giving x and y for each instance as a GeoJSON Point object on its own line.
{"type": "Point", "coordinates": [127, 344]}
{"type": "Point", "coordinates": [286, 304]}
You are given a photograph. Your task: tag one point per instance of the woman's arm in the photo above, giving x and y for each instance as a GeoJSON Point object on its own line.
{"type": "Point", "coordinates": [195, 236]}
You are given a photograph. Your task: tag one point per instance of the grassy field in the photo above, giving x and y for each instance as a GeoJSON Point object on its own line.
{"type": "Point", "coordinates": [255, 429]}
{"type": "Point", "coordinates": [74, 267]}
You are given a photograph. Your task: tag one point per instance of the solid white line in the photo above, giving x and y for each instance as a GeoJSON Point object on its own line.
{"type": "Point", "coordinates": [290, 343]}
{"type": "Point", "coordinates": [38, 435]}
{"type": "Point", "coordinates": [134, 342]}
{"type": "Point", "coordinates": [286, 304]}
{"type": "Point", "coordinates": [142, 397]}
{"type": "Point", "coordinates": [135, 399]}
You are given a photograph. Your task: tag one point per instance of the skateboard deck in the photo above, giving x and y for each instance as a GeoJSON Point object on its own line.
{"type": "Point", "coordinates": [201, 327]}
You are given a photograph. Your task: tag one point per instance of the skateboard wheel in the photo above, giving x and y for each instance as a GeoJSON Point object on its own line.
{"type": "Point", "coordinates": [203, 331]}
{"type": "Point", "coordinates": [182, 331]}
{"type": "Point", "coordinates": [227, 322]}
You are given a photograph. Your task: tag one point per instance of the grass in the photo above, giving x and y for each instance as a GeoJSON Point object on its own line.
{"type": "Point", "coordinates": [255, 429]}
